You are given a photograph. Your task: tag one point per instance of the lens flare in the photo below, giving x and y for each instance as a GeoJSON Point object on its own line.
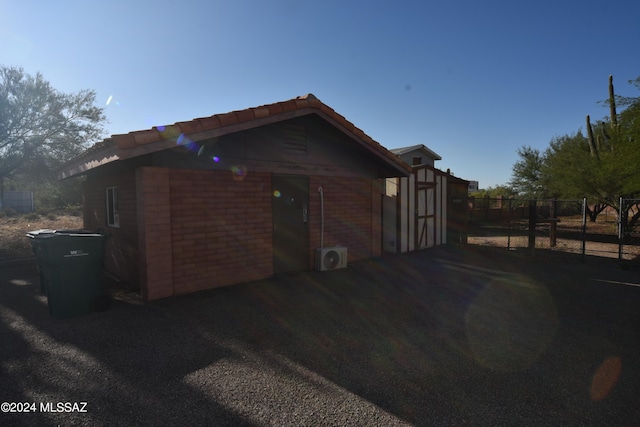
{"type": "Point", "coordinates": [605, 378]}
{"type": "Point", "coordinates": [239, 172]}
{"type": "Point", "coordinates": [510, 323]}
{"type": "Point", "coordinates": [276, 193]}
{"type": "Point", "coordinates": [216, 159]}
{"type": "Point", "coordinates": [112, 102]}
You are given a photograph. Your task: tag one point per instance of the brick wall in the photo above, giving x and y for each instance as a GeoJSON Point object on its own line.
{"type": "Point", "coordinates": [352, 215]}
{"type": "Point", "coordinates": [154, 232]}
{"type": "Point", "coordinates": [220, 228]}
{"type": "Point", "coordinates": [188, 230]}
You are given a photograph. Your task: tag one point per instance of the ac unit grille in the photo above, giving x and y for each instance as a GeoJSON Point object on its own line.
{"type": "Point", "coordinates": [331, 258]}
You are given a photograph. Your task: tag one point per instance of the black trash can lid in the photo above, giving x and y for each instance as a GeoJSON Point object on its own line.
{"type": "Point", "coordinates": [46, 233]}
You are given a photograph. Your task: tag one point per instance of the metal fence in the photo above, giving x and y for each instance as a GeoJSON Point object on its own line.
{"type": "Point", "coordinates": [629, 228]}
{"type": "Point", "coordinates": [556, 225]}
{"type": "Point", "coordinates": [20, 201]}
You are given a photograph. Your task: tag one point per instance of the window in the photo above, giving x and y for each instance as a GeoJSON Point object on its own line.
{"type": "Point", "coordinates": [113, 219]}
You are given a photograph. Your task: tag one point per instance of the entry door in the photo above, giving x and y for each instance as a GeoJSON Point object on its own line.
{"type": "Point", "coordinates": [290, 208]}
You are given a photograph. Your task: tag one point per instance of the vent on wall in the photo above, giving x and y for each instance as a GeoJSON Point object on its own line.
{"type": "Point", "coordinates": [294, 140]}
{"type": "Point", "coordinates": [331, 258]}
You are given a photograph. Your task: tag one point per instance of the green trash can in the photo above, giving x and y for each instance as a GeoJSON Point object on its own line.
{"type": "Point", "coordinates": [71, 270]}
{"type": "Point", "coordinates": [36, 238]}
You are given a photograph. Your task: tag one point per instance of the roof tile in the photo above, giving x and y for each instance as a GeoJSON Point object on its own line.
{"type": "Point", "coordinates": [288, 106]}
{"type": "Point", "coordinates": [315, 103]}
{"type": "Point", "coordinates": [245, 115]}
{"type": "Point", "coordinates": [275, 108]}
{"type": "Point", "coordinates": [260, 112]}
{"type": "Point", "coordinates": [142, 137]}
{"type": "Point", "coordinates": [228, 119]}
{"type": "Point", "coordinates": [125, 140]}
{"type": "Point", "coordinates": [301, 103]}
{"type": "Point", "coordinates": [327, 110]}
{"type": "Point", "coordinates": [360, 134]}
{"type": "Point", "coordinates": [190, 127]}
{"type": "Point", "coordinates": [168, 132]}
{"type": "Point", "coordinates": [343, 122]}
{"type": "Point", "coordinates": [208, 123]}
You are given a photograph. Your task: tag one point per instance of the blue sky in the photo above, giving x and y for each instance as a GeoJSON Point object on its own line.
{"type": "Point", "coordinates": [472, 80]}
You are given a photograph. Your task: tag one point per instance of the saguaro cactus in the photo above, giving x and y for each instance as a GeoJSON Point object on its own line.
{"type": "Point", "coordinates": [612, 104]}
{"type": "Point", "coordinates": [595, 144]}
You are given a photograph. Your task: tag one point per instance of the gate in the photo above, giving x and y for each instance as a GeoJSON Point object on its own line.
{"type": "Point", "coordinates": [555, 225]}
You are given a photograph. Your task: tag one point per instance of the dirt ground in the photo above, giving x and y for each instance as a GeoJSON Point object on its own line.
{"type": "Point", "coordinates": [448, 336]}
{"type": "Point", "coordinates": [14, 243]}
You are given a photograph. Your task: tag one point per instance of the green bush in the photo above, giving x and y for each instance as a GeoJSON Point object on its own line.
{"type": "Point", "coordinates": [52, 216]}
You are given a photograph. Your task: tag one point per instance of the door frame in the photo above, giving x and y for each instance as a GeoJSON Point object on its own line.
{"type": "Point", "coordinates": [299, 183]}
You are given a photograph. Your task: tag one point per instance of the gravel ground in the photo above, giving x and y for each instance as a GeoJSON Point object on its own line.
{"type": "Point", "coordinates": [435, 338]}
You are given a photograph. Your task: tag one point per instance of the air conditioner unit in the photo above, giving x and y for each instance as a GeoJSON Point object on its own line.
{"type": "Point", "coordinates": [331, 258]}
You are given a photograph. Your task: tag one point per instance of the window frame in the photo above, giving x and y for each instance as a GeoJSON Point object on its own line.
{"type": "Point", "coordinates": [112, 213]}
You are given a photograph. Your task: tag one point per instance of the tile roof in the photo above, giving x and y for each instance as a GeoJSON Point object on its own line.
{"type": "Point", "coordinates": [158, 138]}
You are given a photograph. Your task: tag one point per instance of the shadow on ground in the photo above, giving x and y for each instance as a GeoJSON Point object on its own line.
{"type": "Point", "coordinates": [439, 337]}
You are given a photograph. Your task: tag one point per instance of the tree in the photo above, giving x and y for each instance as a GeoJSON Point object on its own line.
{"type": "Point", "coordinates": [602, 165]}
{"type": "Point", "coordinates": [494, 192]}
{"type": "Point", "coordinates": [40, 127]}
{"type": "Point", "coordinates": [572, 171]}
{"type": "Point", "coordinates": [527, 179]}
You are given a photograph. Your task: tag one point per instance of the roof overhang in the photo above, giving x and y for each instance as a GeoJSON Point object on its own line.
{"type": "Point", "coordinates": [139, 143]}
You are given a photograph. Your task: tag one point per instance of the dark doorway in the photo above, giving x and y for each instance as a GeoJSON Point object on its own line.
{"type": "Point", "coordinates": [290, 208]}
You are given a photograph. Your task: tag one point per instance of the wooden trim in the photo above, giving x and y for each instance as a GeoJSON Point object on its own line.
{"type": "Point", "coordinates": [83, 165]}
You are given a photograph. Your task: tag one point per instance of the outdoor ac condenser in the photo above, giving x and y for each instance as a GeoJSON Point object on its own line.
{"type": "Point", "coordinates": [331, 258]}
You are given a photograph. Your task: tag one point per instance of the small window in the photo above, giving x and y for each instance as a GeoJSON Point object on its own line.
{"type": "Point", "coordinates": [113, 218]}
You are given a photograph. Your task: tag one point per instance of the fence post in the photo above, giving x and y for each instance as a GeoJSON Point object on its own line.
{"type": "Point", "coordinates": [509, 226]}
{"type": "Point", "coordinates": [620, 230]}
{"type": "Point", "coordinates": [554, 223]}
{"type": "Point", "coordinates": [532, 224]}
{"type": "Point", "coordinates": [584, 228]}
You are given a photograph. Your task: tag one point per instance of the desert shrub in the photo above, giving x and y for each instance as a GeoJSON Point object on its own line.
{"type": "Point", "coordinates": [52, 216]}
{"type": "Point", "coordinates": [73, 210]}
{"type": "Point", "coordinates": [10, 212]}
{"type": "Point", "coordinates": [31, 216]}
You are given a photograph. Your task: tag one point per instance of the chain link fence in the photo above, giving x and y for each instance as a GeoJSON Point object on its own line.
{"type": "Point", "coordinates": [555, 225]}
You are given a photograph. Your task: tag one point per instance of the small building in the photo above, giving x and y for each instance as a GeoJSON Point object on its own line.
{"type": "Point", "coordinates": [417, 155]}
{"type": "Point", "coordinates": [416, 208]}
{"type": "Point", "coordinates": [235, 197]}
